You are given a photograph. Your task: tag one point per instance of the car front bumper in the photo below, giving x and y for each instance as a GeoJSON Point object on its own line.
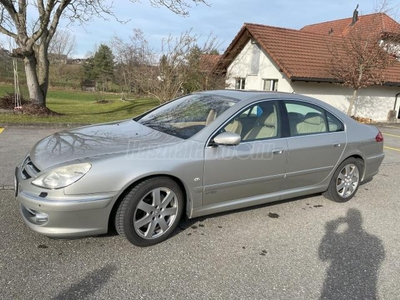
{"type": "Point", "coordinates": [55, 214]}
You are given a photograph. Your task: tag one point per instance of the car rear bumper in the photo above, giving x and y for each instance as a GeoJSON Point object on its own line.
{"type": "Point", "coordinates": [372, 165]}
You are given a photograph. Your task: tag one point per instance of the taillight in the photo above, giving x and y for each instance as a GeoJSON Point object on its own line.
{"type": "Point", "coordinates": [379, 137]}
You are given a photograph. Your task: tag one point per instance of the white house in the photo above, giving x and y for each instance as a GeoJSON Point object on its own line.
{"type": "Point", "coordinates": [297, 61]}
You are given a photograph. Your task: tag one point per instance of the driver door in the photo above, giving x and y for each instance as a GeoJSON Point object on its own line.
{"type": "Point", "coordinates": [255, 167]}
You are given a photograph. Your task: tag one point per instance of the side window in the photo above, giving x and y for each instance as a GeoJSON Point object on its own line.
{"type": "Point", "coordinates": [253, 112]}
{"type": "Point", "coordinates": [245, 113]}
{"type": "Point", "coordinates": [260, 121]}
{"type": "Point", "coordinates": [305, 118]}
{"type": "Point", "coordinates": [334, 123]}
{"type": "Point", "coordinates": [256, 111]}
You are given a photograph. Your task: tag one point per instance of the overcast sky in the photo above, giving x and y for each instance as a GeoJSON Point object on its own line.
{"type": "Point", "coordinates": [223, 18]}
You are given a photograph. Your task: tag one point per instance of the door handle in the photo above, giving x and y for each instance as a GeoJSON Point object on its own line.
{"type": "Point", "coordinates": [337, 145]}
{"type": "Point", "coordinates": [279, 151]}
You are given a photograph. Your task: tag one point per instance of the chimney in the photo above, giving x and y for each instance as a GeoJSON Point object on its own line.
{"type": "Point", "coordinates": [355, 16]}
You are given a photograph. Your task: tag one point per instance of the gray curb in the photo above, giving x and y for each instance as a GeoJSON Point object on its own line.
{"type": "Point", "coordinates": [46, 125]}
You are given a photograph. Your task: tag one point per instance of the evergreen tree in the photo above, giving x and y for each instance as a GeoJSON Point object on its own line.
{"type": "Point", "coordinates": [100, 67]}
{"type": "Point", "coordinates": [103, 66]}
{"type": "Point", "coordinates": [88, 68]}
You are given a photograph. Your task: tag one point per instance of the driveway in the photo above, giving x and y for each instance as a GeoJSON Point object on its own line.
{"type": "Point", "coordinates": [299, 249]}
{"type": "Point", "coordinates": [391, 134]}
{"type": "Point", "coordinates": [15, 142]}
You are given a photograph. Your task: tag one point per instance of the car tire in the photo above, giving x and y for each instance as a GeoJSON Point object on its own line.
{"type": "Point", "coordinates": [345, 181]}
{"type": "Point", "coordinates": [150, 212]}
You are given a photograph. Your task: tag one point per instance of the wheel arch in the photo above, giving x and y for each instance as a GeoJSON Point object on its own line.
{"type": "Point", "coordinates": [116, 204]}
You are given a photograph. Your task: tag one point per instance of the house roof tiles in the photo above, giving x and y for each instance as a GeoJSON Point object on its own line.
{"type": "Point", "coordinates": [379, 22]}
{"type": "Point", "coordinates": [305, 54]}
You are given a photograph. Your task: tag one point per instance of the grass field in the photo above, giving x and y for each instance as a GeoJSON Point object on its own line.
{"type": "Point", "coordinates": [81, 107]}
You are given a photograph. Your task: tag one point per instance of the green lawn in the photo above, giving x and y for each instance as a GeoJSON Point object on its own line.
{"type": "Point", "coordinates": [81, 107]}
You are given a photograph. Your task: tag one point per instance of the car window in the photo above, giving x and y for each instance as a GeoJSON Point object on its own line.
{"type": "Point", "coordinates": [305, 118]}
{"type": "Point", "coordinates": [186, 116]}
{"type": "Point", "coordinates": [334, 123]}
{"type": "Point", "coordinates": [256, 111]}
{"type": "Point", "coordinates": [260, 121]}
{"type": "Point", "coordinates": [245, 114]}
{"type": "Point", "coordinates": [252, 112]}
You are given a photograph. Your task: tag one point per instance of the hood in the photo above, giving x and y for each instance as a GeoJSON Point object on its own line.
{"type": "Point", "coordinates": [95, 141]}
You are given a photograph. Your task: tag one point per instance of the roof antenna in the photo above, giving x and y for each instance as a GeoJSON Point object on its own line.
{"type": "Point", "coordinates": [355, 16]}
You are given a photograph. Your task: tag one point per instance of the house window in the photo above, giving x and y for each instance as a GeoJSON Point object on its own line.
{"type": "Point", "coordinates": [240, 83]}
{"type": "Point", "coordinates": [270, 84]}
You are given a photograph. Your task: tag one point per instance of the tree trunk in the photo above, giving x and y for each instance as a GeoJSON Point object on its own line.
{"type": "Point", "coordinates": [37, 74]}
{"type": "Point", "coordinates": [43, 70]}
{"type": "Point", "coordinates": [352, 102]}
{"type": "Point", "coordinates": [35, 93]}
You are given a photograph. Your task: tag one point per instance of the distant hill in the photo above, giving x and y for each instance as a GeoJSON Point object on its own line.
{"type": "Point", "coordinates": [64, 73]}
{"type": "Point", "coordinates": [6, 67]}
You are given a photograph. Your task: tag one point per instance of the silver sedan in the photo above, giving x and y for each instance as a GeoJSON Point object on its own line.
{"type": "Point", "coordinates": [201, 154]}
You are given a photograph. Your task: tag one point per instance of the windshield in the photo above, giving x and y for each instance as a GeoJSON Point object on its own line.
{"type": "Point", "coordinates": [186, 116]}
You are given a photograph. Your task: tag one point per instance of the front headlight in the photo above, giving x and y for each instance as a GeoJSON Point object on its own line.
{"type": "Point", "coordinates": [62, 177]}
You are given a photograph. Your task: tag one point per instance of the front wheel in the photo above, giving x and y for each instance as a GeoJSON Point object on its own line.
{"type": "Point", "coordinates": [345, 181]}
{"type": "Point", "coordinates": [150, 212]}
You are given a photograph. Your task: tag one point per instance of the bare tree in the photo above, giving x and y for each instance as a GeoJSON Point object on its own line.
{"type": "Point", "coordinates": [359, 62]}
{"type": "Point", "coordinates": [62, 45]}
{"type": "Point", "coordinates": [171, 73]}
{"type": "Point", "coordinates": [33, 47]}
{"type": "Point", "coordinates": [360, 59]}
{"type": "Point", "coordinates": [133, 59]}
{"type": "Point", "coordinates": [176, 69]}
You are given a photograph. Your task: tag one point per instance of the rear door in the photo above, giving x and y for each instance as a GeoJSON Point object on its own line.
{"type": "Point", "coordinates": [316, 143]}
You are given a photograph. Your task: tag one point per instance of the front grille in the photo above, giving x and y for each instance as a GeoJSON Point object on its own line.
{"type": "Point", "coordinates": [28, 169]}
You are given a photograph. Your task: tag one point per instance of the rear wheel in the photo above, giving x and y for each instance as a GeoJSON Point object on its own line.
{"type": "Point", "coordinates": [345, 181]}
{"type": "Point", "coordinates": [150, 212]}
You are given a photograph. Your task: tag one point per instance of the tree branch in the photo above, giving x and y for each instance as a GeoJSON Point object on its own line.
{"type": "Point", "coordinates": [9, 6]}
{"type": "Point", "coordinates": [7, 32]}
{"type": "Point", "coordinates": [179, 7]}
{"type": "Point", "coordinates": [44, 16]}
{"type": "Point", "coordinates": [4, 30]}
{"type": "Point", "coordinates": [56, 18]}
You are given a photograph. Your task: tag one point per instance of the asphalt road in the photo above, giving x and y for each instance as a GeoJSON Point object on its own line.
{"type": "Point", "coordinates": [288, 250]}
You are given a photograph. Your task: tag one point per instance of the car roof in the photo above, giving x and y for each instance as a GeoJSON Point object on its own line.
{"type": "Point", "coordinates": [247, 96]}
{"type": "Point", "coordinates": [243, 94]}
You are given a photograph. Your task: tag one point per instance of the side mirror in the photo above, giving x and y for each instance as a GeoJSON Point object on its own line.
{"type": "Point", "coordinates": [227, 139]}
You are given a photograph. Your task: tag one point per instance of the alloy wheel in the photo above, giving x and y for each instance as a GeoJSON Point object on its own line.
{"type": "Point", "coordinates": [155, 213]}
{"type": "Point", "coordinates": [347, 180]}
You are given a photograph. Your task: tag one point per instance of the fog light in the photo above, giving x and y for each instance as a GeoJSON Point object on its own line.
{"type": "Point", "coordinates": [41, 218]}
